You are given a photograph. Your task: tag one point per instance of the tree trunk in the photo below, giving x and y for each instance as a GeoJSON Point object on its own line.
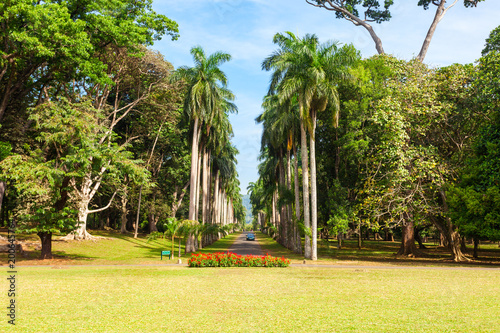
{"type": "Point", "coordinates": [305, 190]}
{"type": "Point", "coordinates": [152, 218]}
{"type": "Point", "coordinates": [450, 232]}
{"type": "Point", "coordinates": [291, 232]}
{"type": "Point", "coordinates": [408, 247]}
{"type": "Point", "coordinates": [152, 223]}
{"type": "Point", "coordinates": [298, 243]}
{"type": "Point", "coordinates": [136, 226]}
{"type": "Point", "coordinates": [337, 154]}
{"type": "Point", "coordinates": [205, 187]}
{"type": "Point", "coordinates": [46, 240]}
{"type": "Point", "coordinates": [314, 199]}
{"type": "Point", "coordinates": [124, 212]}
{"type": "Point", "coordinates": [193, 183]}
{"type": "Point", "coordinates": [283, 219]}
{"type": "Point", "coordinates": [198, 183]}
{"type": "Point", "coordinates": [176, 204]}
{"type": "Point", "coordinates": [440, 12]}
{"type": "Point", "coordinates": [360, 240]}
{"type": "Point", "coordinates": [419, 240]}
{"type": "Point", "coordinates": [476, 247]}
{"type": "Point", "coordinates": [2, 193]}
{"type": "Point", "coordinates": [194, 171]}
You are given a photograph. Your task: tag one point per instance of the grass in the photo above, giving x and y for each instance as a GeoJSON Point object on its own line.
{"type": "Point", "coordinates": [380, 253]}
{"type": "Point", "coordinates": [66, 296]}
{"type": "Point", "coordinates": [113, 249]}
{"type": "Point", "coordinates": [180, 299]}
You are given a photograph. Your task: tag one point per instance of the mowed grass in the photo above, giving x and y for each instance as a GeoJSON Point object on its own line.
{"type": "Point", "coordinates": [114, 249]}
{"type": "Point", "coordinates": [294, 299]}
{"type": "Point", "coordinates": [381, 253]}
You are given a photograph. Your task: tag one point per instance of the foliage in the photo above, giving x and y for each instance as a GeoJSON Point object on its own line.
{"type": "Point", "coordinates": [40, 188]}
{"type": "Point", "coordinates": [5, 149]}
{"type": "Point", "coordinates": [54, 41]}
{"type": "Point", "coordinates": [374, 11]}
{"type": "Point", "coordinates": [492, 42]}
{"type": "Point", "coordinates": [475, 199]}
{"type": "Point", "coordinates": [235, 260]}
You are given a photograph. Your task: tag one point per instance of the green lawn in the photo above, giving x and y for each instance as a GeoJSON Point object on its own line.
{"type": "Point", "coordinates": [113, 249]}
{"type": "Point", "coordinates": [380, 253]}
{"type": "Point", "coordinates": [181, 299]}
{"type": "Point", "coordinates": [65, 297]}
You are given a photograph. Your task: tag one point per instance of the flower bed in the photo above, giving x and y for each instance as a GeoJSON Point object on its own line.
{"type": "Point", "coordinates": [234, 260]}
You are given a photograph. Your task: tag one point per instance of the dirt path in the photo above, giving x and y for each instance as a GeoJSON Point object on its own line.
{"type": "Point", "coordinates": [243, 247]}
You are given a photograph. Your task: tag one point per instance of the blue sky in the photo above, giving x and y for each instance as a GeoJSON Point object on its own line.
{"type": "Point", "coordinates": [245, 28]}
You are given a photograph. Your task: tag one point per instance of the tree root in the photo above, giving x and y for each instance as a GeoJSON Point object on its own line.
{"type": "Point", "coordinates": [85, 236]}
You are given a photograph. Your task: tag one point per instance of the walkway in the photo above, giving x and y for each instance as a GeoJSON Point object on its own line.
{"type": "Point", "coordinates": [243, 247]}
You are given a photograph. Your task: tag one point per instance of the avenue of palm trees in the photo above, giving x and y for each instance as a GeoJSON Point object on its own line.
{"type": "Point", "coordinates": [305, 74]}
{"type": "Point", "coordinates": [208, 102]}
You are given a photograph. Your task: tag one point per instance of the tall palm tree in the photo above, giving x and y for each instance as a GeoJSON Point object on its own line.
{"type": "Point", "coordinates": [206, 93]}
{"type": "Point", "coordinates": [310, 71]}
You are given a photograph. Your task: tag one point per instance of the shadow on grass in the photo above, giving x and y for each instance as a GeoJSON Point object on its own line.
{"type": "Point", "coordinates": [381, 252]}
{"type": "Point", "coordinates": [115, 247]}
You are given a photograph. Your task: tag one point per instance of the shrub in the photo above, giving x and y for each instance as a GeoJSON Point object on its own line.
{"type": "Point", "coordinates": [234, 260]}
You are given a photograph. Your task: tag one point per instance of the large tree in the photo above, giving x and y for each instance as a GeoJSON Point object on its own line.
{"type": "Point", "coordinates": [54, 48]}
{"type": "Point", "coordinates": [206, 92]}
{"type": "Point", "coordinates": [363, 12]}
{"type": "Point", "coordinates": [475, 198]}
{"type": "Point", "coordinates": [309, 70]}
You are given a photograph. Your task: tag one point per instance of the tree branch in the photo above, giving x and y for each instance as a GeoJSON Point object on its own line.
{"type": "Point", "coordinates": [103, 208]}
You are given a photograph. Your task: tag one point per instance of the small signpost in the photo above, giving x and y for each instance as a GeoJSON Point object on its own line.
{"type": "Point", "coordinates": [166, 253]}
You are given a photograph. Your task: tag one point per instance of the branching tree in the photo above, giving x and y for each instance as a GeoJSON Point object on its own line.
{"type": "Point", "coordinates": [363, 12]}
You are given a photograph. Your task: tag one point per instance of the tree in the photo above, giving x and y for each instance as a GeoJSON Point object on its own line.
{"type": "Point", "coordinates": [47, 41]}
{"type": "Point", "coordinates": [374, 11]}
{"type": "Point", "coordinates": [206, 93]}
{"type": "Point", "coordinates": [45, 178]}
{"type": "Point", "coordinates": [53, 49]}
{"type": "Point", "coordinates": [309, 70]}
{"type": "Point", "coordinates": [420, 132]}
{"type": "Point", "coordinates": [475, 199]}
{"type": "Point", "coordinates": [492, 42]}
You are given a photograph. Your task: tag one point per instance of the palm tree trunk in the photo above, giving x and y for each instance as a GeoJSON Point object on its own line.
{"type": "Point", "coordinates": [298, 245]}
{"type": "Point", "coordinates": [305, 188]}
{"type": "Point", "coordinates": [314, 201]}
{"type": "Point", "coordinates": [198, 181]}
{"type": "Point", "coordinates": [193, 183]}
{"type": "Point", "coordinates": [290, 234]}
{"type": "Point", "coordinates": [194, 171]}
{"type": "Point", "coordinates": [205, 190]}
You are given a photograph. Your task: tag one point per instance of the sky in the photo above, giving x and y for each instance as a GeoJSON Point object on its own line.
{"type": "Point", "coordinates": [245, 29]}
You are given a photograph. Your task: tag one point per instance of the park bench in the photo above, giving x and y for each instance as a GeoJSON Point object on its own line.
{"type": "Point", "coordinates": [166, 253]}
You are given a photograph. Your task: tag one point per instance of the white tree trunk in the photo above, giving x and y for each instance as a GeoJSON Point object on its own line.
{"type": "Point", "coordinates": [305, 189]}
{"type": "Point", "coordinates": [194, 171]}
{"type": "Point", "coordinates": [205, 187]}
{"type": "Point", "coordinates": [314, 202]}
{"type": "Point", "coordinates": [298, 240]}
{"type": "Point", "coordinates": [198, 183]}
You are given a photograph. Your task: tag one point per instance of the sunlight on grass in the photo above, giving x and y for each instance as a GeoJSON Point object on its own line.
{"type": "Point", "coordinates": [117, 249]}
{"type": "Point", "coordinates": [180, 299]}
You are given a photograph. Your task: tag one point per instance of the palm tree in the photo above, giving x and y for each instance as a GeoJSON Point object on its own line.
{"type": "Point", "coordinates": [173, 227]}
{"type": "Point", "coordinates": [310, 71]}
{"type": "Point", "coordinates": [206, 93]}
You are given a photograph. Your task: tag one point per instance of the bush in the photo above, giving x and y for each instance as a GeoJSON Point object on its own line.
{"type": "Point", "coordinates": [235, 260]}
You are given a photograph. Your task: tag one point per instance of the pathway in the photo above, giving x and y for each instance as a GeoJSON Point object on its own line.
{"type": "Point", "coordinates": [243, 247]}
